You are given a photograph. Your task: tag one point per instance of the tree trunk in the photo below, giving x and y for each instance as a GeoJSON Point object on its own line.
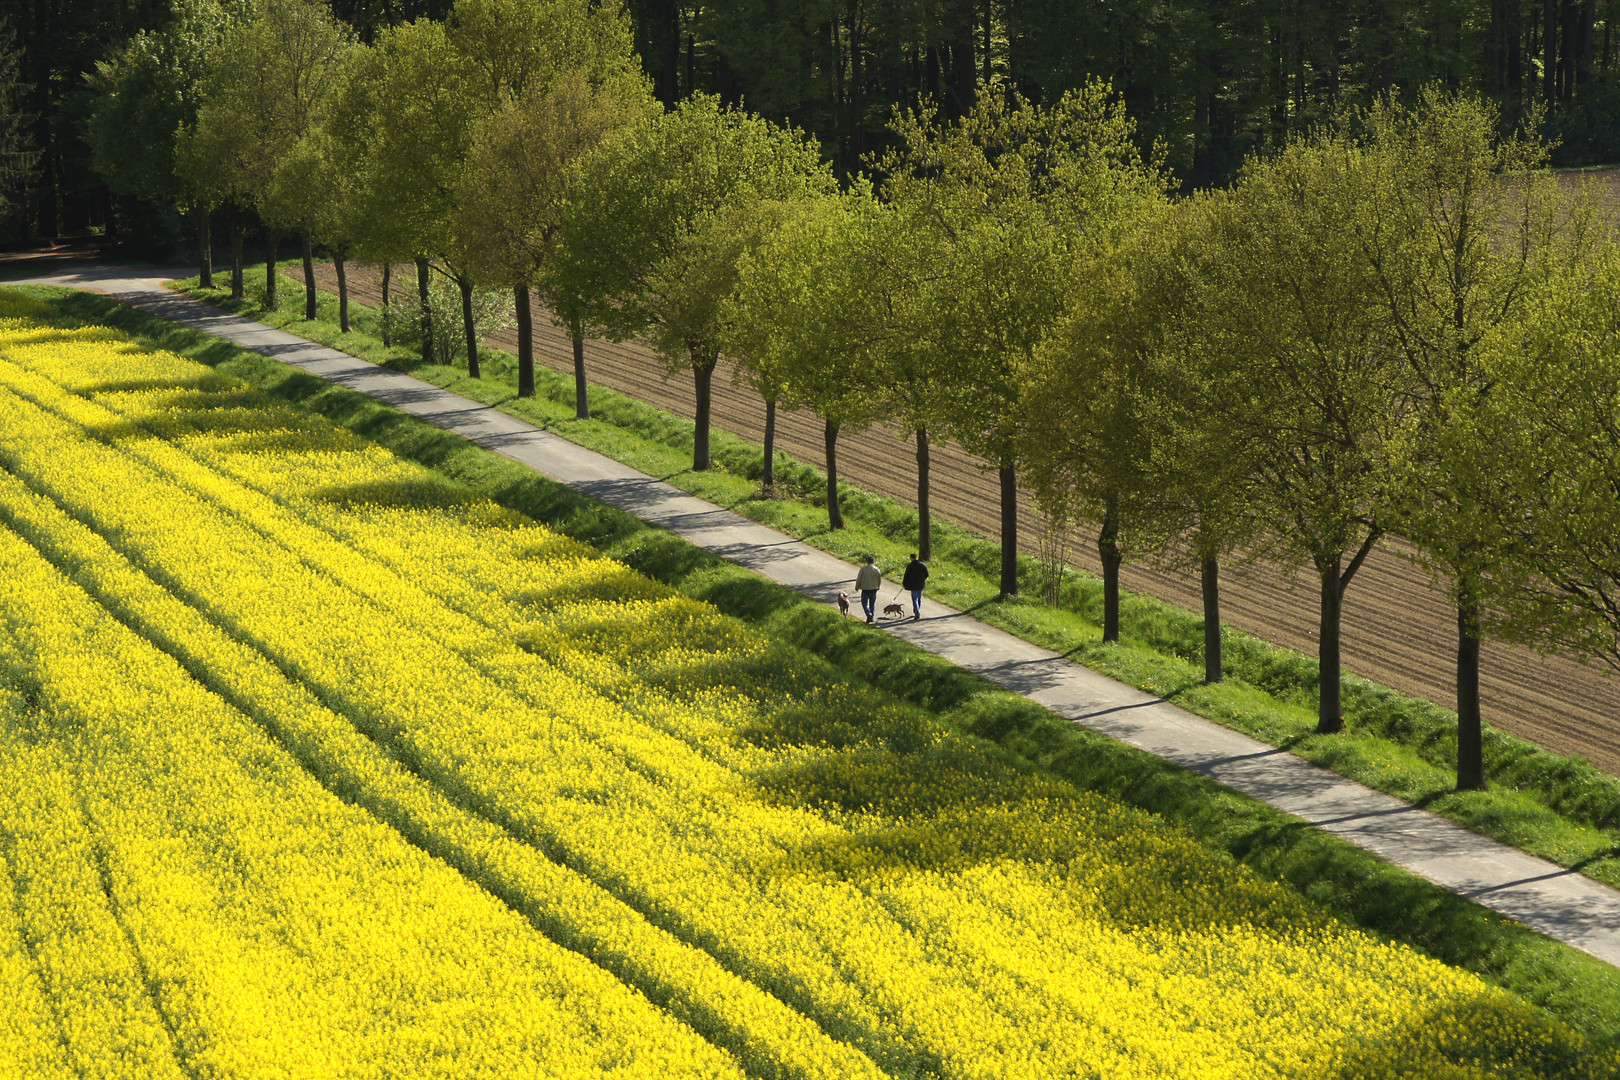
{"type": "Point", "coordinates": [308, 243]}
{"type": "Point", "coordinates": [1586, 53]}
{"type": "Point", "coordinates": [1496, 49]}
{"type": "Point", "coordinates": [525, 332]}
{"type": "Point", "coordinates": [702, 380]}
{"type": "Point", "coordinates": [238, 238]}
{"type": "Point", "coordinates": [925, 522]}
{"type": "Point", "coordinates": [272, 242]}
{"type": "Point", "coordinates": [768, 480]}
{"type": "Point", "coordinates": [582, 400]}
{"type": "Point", "coordinates": [1211, 574]}
{"type": "Point", "coordinates": [464, 283]}
{"type": "Point", "coordinates": [1515, 54]}
{"type": "Point", "coordinates": [427, 311]}
{"type": "Point", "coordinates": [205, 249]}
{"type": "Point", "coordinates": [662, 30]}
{"type": "Point", "coordinates": [340, 265]}
{"type": "Point", "coordinates": [1549, 50]}
{"type": "Point", "coordinates": [1470, 726]}
{"type": "Point", "coordinates": [835, 513]}
{"type": "Point", "coordinates": [1330, 706]}
{"type": "Point", "coordinates": [387, 320]}
{"type": "Point", "coordinates": [1108, 550]}
{"type": "Point", "coordinates": [1009, 528]}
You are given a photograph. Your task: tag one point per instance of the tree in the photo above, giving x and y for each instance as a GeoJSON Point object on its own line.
{"type": "Point", "coordinates": [18, 159]}
{"type": "Point", "coordinates": [1089, 446]}
{"type": "Point", "coordinates": [1550, 435]}
{"type": "Point", "coordinates": [1012, 193]}
{"type": "Point", "coordinates": [144, 96]}
{"type": "Point", "coordinates": [524, 163]}
{"type": "Point", "coordinates": [748, 334]}
{"type": "Point", "coordinates": [649, 242]}
{"type": "Point", "coordinates": [310, 50]}
{"type": "Point", "coordinates": [318, 183]}
{"type": "Point", "coordinates": [421, 109]}
{"type": "Point", "coordinates": [1197, 475]}
{"type": "Point", "coordinates": [901, 268]}
{"type": "Point", "coordinates": [517, 51]}
{"type": "Point", "coordinates": [804, 317]}
{"type": "Point", "coordinates": [277, 74]}
{"type": "Point", "coordinates": [1460, 227]}
{"type": "Point", "coordinates": [219, 156]}
{"type": "Point", "coordinates": [1299, 365]}
{"type": "Point", "coordinates": [1124, 433]}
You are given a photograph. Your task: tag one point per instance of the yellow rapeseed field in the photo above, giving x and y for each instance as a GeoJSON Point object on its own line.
{"type": "Point", "coordinates": [314, 765]}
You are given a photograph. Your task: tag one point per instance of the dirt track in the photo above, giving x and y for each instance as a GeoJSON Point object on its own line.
{"type": "Point", "coordinates": [1398, 628]}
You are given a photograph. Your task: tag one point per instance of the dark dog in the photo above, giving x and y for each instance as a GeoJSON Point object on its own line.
{"type": "Point", "coordinates": [895, 610]}
{"type": "Point", "coordinates": [843, 603]}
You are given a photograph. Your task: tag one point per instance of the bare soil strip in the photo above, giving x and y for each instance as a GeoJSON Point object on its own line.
{"type": "Point", "coordinates": [1399, 629]}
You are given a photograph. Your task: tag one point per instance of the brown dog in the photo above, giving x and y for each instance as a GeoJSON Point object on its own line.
{"type": "Point", "coordinates": [895, 610]}
{"type": "Point", "coordinates": [843, 603]}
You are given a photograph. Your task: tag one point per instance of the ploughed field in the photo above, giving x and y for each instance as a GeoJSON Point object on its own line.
{"type": "Point", "coordinates": [1399, 628]}
{"type": "Point", "coordinates": [312, 764]}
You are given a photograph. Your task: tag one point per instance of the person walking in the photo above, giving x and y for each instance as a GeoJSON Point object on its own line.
{"type": "Point", "coordinates": [916, 575]}
{"type": "Point", "coordinates": [869, 579]}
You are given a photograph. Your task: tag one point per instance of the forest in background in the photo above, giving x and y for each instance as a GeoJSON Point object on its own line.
{"type": "Point", "coordinates": [1207, 82]}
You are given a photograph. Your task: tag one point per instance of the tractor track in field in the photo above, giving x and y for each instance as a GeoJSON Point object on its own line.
{"type": "Point", "coordinates": [1399, 628]}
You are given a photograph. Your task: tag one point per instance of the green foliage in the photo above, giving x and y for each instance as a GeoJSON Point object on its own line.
{"type": "Point", "coordinates": [808, 315]}
{"type": "Point", "coordinates": [524, 164]}
{"type": "Point", "coordinates": [492, 313]}
{"type": "Point", "coordinates": [257, 139]}
{"type": "Point", "coordinates": [419, 110]}
{"type": "Point", "coordinates": [146, 94]}
{"type": "Point", "coordinates": [515, 47]}
{"type": "Point", "coordinates": [652, 237]}
{"type": "Point", "coordinates": [1463, 226]}
{"type": "Point", "coordinates": [1551, 434]}
{"type": "Point", "coordinates": [1012, 193]}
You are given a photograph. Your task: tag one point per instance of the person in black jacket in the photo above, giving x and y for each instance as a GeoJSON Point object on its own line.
{"type": "Point", "coordinates": [916, 574]}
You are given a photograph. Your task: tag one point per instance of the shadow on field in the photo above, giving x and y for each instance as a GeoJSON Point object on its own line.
{"type": "Point", "coordinates": [394, 494]}
{"type": "Point", "coordinates": [1464, 1034]}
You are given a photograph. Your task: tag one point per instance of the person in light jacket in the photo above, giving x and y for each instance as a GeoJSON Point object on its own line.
{"type": "Point", "coordinates": [869, 579]}
{"type": "Point", "coordinates": [916, 575]}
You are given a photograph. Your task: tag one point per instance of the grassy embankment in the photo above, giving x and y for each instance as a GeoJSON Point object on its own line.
{"type": "Point", "coordinates": [1354, 885]}
{"type": "Point", "coordinates": [1554, 806]}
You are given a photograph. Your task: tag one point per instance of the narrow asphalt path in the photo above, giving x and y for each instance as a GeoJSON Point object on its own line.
{"type": "Point", "coordinates": [1558, 902]}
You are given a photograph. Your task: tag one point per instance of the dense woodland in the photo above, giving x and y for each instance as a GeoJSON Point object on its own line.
{"type": "Point", "coordinates": [1206, 82]}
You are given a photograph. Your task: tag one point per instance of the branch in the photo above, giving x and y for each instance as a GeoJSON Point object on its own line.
{"type": "Point", "coordinates": [1373, 535]}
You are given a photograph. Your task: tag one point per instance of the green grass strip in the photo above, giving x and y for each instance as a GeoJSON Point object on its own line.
{"type": "Point", "coordinates": [1351, 883]}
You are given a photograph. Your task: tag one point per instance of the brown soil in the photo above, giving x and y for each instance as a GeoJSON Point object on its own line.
{"type": "Point", "coordinates": [1399, 629]}
{"type": "Point", "coordinates": [1605, 183]}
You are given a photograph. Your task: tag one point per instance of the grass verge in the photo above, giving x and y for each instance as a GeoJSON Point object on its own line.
{"type": "Point", "coordinates": [1557, 807]}
{"type": "Point", "coordinates": [1353, 884]}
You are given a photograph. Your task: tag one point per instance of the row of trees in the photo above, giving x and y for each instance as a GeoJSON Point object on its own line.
{"type": "Point", "coordinates": [1316, 358]}
{"type": "Point", "coordinates": [1401, 325]}
{"type": "Point", "coordinates": [1374, 332]}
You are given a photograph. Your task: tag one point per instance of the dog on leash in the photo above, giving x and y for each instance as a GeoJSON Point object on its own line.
{"type": "Point", "coordinates": [894, 610]}
{"type": "Point", "coordinates": [843, 603]}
